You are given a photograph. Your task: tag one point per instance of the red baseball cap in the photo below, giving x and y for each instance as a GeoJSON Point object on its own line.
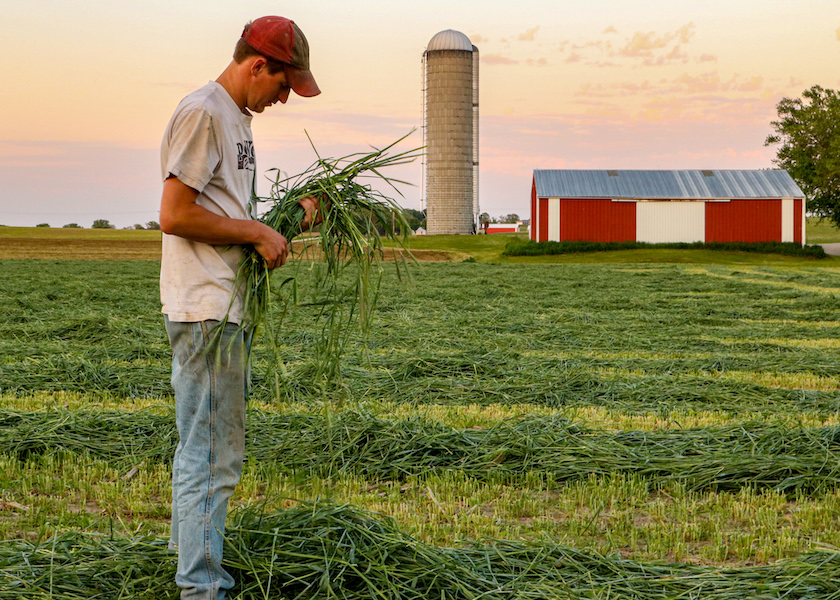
{"type": "Point", "coordinates": [280, 39]}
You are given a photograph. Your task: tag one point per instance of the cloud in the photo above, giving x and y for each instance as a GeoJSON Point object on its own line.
{"type": "Point", "coordinates": [495, 59]}
{"type": "Point", "coordinates": [529, 35]}
{"type": "Point", "coordinates": [537, 62]}
{"type": "Point", "coordinates": [646, 45]}
{"type": "Point", "coordinates": [643, 44]}
{"type": "Point", "coordinates": [838, 33]}
{"type": "Point", "coordinates": [478, 39]}
{"type": "Point", "coordinates": [651, 49]}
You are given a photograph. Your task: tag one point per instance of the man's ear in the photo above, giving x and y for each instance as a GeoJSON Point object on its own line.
{"type": "Point", "coordinates": [258, 64]}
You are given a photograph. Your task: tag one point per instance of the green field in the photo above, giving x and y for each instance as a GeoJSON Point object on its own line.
{"type": "Point", "coordinates": [110, 244]}
{"type": "Point", "coordinates": [821, 231]}
{"type": "Point", "coordinates": [618, 429]}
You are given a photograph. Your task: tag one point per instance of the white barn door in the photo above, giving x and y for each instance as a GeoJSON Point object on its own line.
{"type": "Point", "coordinates": [668, 222]}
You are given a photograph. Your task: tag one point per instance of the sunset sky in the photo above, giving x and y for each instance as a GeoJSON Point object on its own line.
{"type": "Point", "coordinates": [89, 85]}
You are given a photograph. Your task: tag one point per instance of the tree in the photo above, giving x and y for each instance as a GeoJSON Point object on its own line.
{"type": "Point", "coordinates": [42, 225]}
{"type": "Point", "coordinates": [72, 226]}
{"type": "Point", "coordinates": [484, 218]}
{"type": "Point", "coordinates": [102, 224]}
{"type": "Point", "coordinates": [809, 133]}
{"type": "Point", "coordinates": [153, 225]}
{"type": "Point", "coordinates": [511, 218]}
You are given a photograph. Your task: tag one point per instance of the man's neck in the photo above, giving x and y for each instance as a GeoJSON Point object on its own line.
{"type": "Point", "coordinates": [231, 80]}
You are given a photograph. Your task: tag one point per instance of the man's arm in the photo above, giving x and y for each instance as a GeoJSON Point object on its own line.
{"type": "Point", "coordinates": [181, 216]}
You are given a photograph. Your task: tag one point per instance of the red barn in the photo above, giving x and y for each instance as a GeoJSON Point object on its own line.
{"type": "Point", "coordinates": [501, 227]}
{"type": "Point", "coordinates": [667, 206]}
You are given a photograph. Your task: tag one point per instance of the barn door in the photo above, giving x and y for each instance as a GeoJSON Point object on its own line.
{"type": "Point", "coordinates": [667, 222]}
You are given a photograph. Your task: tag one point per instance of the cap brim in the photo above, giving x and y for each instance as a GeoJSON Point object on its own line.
{"type": "Point", "coordinates": [302, 82]}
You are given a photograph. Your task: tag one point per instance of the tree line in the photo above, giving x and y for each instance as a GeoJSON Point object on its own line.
{"type": "Point", "coordinates": [106, 224]}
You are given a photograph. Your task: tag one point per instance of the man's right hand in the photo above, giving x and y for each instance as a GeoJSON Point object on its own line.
{"type": "Point", "coordinates": [272, 246]}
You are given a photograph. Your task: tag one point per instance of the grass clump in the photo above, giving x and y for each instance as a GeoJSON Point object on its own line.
{"type": "Point", "coordinates": [348, 248]}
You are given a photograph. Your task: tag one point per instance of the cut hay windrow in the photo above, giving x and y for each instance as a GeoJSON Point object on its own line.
{"type": "Point", "coordinates": [754, 455]}
{"type": "Point", "coordinates": [507, 379]}
{"type": "Point", "coordinates": [331, 551]}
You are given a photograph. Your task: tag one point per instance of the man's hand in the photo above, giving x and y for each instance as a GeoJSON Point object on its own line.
{"type": "Point", "coordinates": [272, 246]}
{"type": "Point", "coordinates": [314, 213]}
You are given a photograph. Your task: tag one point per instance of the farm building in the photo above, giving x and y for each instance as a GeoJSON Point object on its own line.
{"type": "Point", "coordinates": [667, 206]}
{"type": "Point", "coordinates": [501, 227]}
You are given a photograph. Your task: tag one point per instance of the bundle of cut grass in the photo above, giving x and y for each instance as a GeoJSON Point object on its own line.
{"type": "Point", "coordinates": [355, 217]}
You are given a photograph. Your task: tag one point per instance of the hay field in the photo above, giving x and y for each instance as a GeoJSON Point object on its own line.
{"type": "Point", "coordinates": [625, 430]}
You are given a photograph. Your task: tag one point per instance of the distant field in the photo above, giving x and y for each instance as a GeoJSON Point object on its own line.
{"type": "Point", "coordinates": [93, 244]}
{"type": "Point", "coordinates": [821, 231]}
{"type": "Point", "coordinates": [128, 244]}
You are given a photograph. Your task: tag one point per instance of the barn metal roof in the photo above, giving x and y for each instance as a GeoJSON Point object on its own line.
{"type": "Point", "coordinates": [675, 185]}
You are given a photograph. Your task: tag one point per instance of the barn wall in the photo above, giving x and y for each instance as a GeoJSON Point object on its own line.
{"type": "Point", "coordinates": [744, 221]}
{"type": "Point", "coordinates": [605, 220]}
{"type": "Point", "coordinates": [599, 220]}
{"type": "Point", "coordinates": [542, 209]}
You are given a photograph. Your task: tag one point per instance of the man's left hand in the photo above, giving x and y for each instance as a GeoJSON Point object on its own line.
{"type": "Point", "coordinates": [314, 214]}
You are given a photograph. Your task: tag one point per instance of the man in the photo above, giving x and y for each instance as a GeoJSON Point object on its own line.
{"type": "Point", "coordinates": [208, 168]}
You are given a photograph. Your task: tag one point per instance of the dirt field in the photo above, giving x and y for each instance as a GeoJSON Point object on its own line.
{"type": "Point", "coordinates": [42, 245]}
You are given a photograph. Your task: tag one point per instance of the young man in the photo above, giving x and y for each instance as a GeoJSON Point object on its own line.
{"type": "Point", "coordinates": [208, 169]}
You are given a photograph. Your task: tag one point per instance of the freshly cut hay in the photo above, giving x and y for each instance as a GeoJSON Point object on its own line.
{"type": "Point", "coordinates": [323, 550]}
{"type": "Point", "coordinates": [348, 246]}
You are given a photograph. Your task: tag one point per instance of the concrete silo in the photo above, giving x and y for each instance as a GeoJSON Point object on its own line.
{"type": "Point", "coordinates": [450, 133]}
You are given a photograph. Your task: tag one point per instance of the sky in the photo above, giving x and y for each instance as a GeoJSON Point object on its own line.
{"type": "Point", "coordinates": [89, 86]}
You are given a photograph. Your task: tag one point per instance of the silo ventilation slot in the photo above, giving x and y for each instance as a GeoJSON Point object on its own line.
{"type": "Point", "coordinates": [708, 173]}
{"type": "Point", "coordinates": [612, 173]}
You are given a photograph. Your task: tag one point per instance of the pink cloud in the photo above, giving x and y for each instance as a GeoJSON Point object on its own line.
{"type": "Point", "coordinates": [645, 44]}
{"type": "Point", "coordinates": [495, 59]}
{"type": "Point", "coordinates": [529, 35]}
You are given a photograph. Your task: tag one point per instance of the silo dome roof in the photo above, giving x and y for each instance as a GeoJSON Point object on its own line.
{"type": "Point", "coordinates": [450, 39]}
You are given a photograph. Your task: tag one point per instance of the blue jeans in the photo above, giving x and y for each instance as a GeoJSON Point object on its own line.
{"type": "Point", "coordinates": [210, 394]}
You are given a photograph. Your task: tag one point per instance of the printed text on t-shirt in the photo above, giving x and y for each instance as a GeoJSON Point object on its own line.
{"type": "Point", "coordinates": [247, 158]}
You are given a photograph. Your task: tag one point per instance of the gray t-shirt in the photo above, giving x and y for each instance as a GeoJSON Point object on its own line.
{"type": "Point", "coordinates": [208, 146]}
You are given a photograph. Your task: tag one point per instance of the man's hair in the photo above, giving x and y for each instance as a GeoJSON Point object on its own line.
{"type": "Point", "coordinates": [244, 50]}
